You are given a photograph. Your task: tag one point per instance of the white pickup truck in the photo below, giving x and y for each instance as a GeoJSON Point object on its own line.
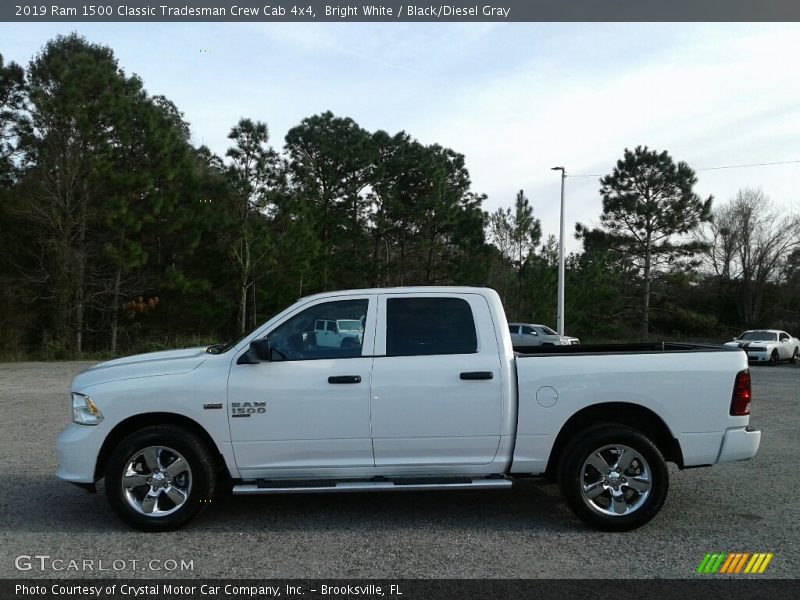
{"type": "Point", "coordinates": [431, 397]}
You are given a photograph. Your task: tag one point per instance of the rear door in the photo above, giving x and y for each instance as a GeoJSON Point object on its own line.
{"type": "Point", "coordinates": [436, 395]}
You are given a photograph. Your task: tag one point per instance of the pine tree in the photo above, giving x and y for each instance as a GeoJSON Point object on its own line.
{"type": "Point", "coordinates": [648, 203]}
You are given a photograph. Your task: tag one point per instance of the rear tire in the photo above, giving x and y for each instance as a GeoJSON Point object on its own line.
{"type": "Point", "coordinates": [160, 477]}
{"type": "Point", "coordinates": [613, 477]}
{"type": "Point", "coordinates": [795, 354]}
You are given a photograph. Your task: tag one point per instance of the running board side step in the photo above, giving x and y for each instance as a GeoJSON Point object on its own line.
{"type": "Point", "coordinates": [329, 486]}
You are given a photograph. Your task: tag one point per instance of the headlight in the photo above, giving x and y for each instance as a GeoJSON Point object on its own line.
{"type": "Point", "coordinates": [84, 412]}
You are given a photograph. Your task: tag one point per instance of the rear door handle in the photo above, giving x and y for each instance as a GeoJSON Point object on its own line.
{"type": "Point", "coordinates": [345, 379]}
{"type": "Point", "coordinates": [471, 375]}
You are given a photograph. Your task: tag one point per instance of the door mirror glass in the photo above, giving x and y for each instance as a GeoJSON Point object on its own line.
{"type": "Point", "coordinates": [259, 351]}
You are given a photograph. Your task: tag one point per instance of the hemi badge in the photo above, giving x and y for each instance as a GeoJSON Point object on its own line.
{"type": "Point", "coordinates": [211, 405]}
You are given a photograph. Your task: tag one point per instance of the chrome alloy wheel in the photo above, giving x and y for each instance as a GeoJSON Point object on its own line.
{"type": "Point", "coordinates": [615, 480]}
{"type": "Point", "coordinates": [157, 481]}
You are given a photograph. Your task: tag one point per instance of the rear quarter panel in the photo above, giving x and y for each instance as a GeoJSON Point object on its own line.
{"type": "Point", "coordinates": [690, 391]}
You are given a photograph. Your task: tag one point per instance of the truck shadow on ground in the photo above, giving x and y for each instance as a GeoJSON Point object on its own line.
{"type": "Point", "coordinates": [47, 504]}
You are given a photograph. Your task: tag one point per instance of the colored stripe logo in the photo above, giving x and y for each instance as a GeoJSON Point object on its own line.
{"type": "Point", "coordinates": [731, 563]}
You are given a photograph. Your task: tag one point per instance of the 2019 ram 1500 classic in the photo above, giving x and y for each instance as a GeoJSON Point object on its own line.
{"type": "Point", "coordinates": [432, 395]}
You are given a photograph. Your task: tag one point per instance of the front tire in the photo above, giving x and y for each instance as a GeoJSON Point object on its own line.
{"type": "Point", "coordinates": [775, 358]}
{"type": "Point", "coordinates": [613, 477]}
{"type": "Point", "coordinates": [160, 477]}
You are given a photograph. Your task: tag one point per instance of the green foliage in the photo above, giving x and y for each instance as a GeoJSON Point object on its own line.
{"type": "Point", "coordinates": [81, 105]}
{"type": "Point", "coordinates": [13, 118]}
{"type": "Point", "coordinates": [114, 204]}
{"type": "Point", "coordinates": [104, 200]}
{"type": "Point", "coordinates": [648, 203]}
{"type": "Point", "coordinates": [253, 176]}
{"type": "Point", "coordinates": [515, 235]}
{"type": "Point", "coordinates": [329, 162]}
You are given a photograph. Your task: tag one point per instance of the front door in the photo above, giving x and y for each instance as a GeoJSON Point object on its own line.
{"type": "Point", "coordinates": [436, 385]}
{"type": "Point", "coordinates": [785, 347]}
{"type": "Point", "coordinates": [307, 410]}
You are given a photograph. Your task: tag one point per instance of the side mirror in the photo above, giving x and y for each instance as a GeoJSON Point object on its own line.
{"type": "Point", "coordinates": [259, 351]}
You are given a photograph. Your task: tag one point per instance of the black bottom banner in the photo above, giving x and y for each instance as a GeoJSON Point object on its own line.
{"type": "Point", "coordinates": [399, 589]}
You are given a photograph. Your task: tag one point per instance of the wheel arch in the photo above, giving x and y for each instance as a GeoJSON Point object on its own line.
{"type": "Point", "coordinates": [623, 413]}
{"type": "Point", "coordinates": [137, 422]}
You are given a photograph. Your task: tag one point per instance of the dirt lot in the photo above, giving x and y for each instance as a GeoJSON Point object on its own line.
{"type": "Point", "coordinates": [527, 532]}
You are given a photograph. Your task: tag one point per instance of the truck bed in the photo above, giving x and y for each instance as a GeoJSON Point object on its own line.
{"type": "Point", "coordinates": [628, 348]}
{"type": "Point", "coordinates": [689, 387]}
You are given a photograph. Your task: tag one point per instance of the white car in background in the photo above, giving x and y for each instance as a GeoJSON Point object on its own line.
{"type": "Point", "coordinates": [767, 345]}
{"type": "Point", "coordinates": [330, 333]}
{"type": "Point", "coordinates": [530, 334]}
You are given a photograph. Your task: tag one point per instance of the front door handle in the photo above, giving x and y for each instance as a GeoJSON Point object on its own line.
{"type": "Point", "coordinates": [472, 375]}
{"type": "Point", "coordinates": [345, 379]}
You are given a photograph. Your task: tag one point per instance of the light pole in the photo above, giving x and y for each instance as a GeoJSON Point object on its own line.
{"type": "Point", "coordinates": [560, 310]}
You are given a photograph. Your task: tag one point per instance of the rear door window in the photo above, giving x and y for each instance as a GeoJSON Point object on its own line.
{"type": "Point", "coordinates": [422, 326]}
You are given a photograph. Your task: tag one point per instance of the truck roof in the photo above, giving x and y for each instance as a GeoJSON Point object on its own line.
{"type": "Point", "coordinates": [418, 289]}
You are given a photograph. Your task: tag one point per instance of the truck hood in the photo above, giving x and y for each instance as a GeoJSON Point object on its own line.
{"type": "Point", "coordinates": [168, 362]}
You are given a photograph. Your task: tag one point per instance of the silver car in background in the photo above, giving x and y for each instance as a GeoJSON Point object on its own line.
{"type": "Point", "coordinates": [532, 334]}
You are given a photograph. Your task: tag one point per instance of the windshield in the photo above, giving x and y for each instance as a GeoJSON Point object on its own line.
{"type": "Point", "coordinates": [763, 336]}
{"type": "Point", "coordinates": [546, 330]}
{"type": "Point", "coordinates": [349, 325]}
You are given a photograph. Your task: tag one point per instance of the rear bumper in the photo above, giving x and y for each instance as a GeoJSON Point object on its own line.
{"type": "Point", "coordinates": [739, 444]}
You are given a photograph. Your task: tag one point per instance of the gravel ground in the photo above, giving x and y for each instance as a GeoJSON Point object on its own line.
{"type": "Point", "coordinates": [525, 533]}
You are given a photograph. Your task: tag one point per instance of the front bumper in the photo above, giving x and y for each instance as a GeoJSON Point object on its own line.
{"type": "Point", "coordinates": [739, 444]}
{"type": "Point", "coordinates": [755, 357]}
{"type": "Point", "coordinates": [77, 448]}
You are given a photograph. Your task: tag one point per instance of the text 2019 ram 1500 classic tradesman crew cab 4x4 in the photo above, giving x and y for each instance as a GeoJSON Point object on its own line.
{"type": "Point", "coordinates": [430, 395]}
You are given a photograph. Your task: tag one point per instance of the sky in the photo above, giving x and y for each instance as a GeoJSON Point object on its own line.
{"type": "Point", "coordinates": [515, 98]}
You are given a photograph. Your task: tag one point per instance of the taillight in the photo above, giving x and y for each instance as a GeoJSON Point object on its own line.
{"type": "Point", "coordinates": [740, 403]}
